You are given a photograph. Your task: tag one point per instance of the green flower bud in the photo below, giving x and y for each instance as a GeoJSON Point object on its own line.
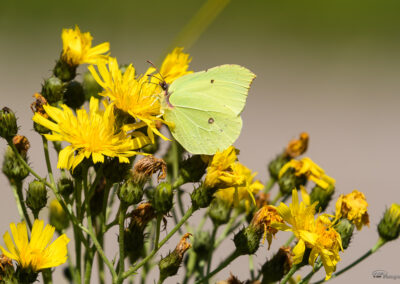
{"type": "Point", "coordinates": [278, 266]}
{"type": "Point", "coordinates": [202, 196]}
{"type": "Point", "coordinates": [275, 165]}
{"type": "Point", "coordinates": [323, 196]}
{"type": "Point", "coordinates": [53, 90]}
{"type": "Point", "coordinates": [58, 217]}
{"type": "Point", "coordinates": [36, 197]}
{"type": "Point", "coordinates": [65, 186]}
{"type": "Point", "coordinates": [247, 240]}
{"type": "Point", "coordinates": [114, 171]}
{"type": "Point", "coordinates": [74, 96]}
{"type": "Point", "coordinates": [192, 170]}
{"type": "Point", "coordinates": [170, 264]}
{"type": "Point", "coordinates": [389, 226]}
{"type": "Point", "coordinates": [12, 167]}
{"type": "Point", "coordinates": [219, 211]}
{"type": "Point", "coordinates": [202, 244]}
{"type": "Point", "coordinates": [162, 199]}
{"type": "Point", "coordinates": [130, 192]}
{"type": "Point", "coordinates": [134, 242]}
{"type": "Point", "coordinates": [345, 229]}
{"type": "Point", "coordinates": [90, 87]}
{"type": "Point", "coordinates": [26, 275]}
{"type": "Point", "coordinates": [289, 181]}
{"type": "Point", "coordinates": [40, 129]}
{"type": "Point", "coordinates": [8, 123]}
{"type": "Point", "coordinates": [64, 71]}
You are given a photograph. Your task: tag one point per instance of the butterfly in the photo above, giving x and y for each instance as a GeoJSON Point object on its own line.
{"type": "Point", "coordinates": [203, 108]}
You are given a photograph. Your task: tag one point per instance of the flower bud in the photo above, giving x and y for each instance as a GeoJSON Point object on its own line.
{"type": "Point", "coordinates": [22, 144]}
{"type": "Point", "coordinates": [36, 197]}
{"type": "Point", "coordinates": [90, 87]}
{"type": "Point", "coordinates": [6, 270]}
{"type": "Point", "coordinates": [389, 226]}
{"type": "Point", "coordinates": [12, 167]}
{"type": "Point", "coordinates": [192, 170]}
{"type": "Point", "coordinates": [323, 196]}
{"type": "Point", "coordinates": [202, 196]}
{"type": "Point", "coordinates": [114, 171]}
{"type": "Point", "coordinates": [247, 240]}
{"type": "Point", "coordinates": [53, 90]}
{"type": "Point", "coordinates": [202, 244]}
{"type": "Point", "coordinates": [170, 264]}
{"type": "Point", "coordinates": [278, 266]}
{"type": "Point", "coordinates": [234, 280]}
{"type": "Point", "coordinates": [276, 165]}
{"type": "Point", "coordinates": [219, 211]}
{"type": "Point", "coordinates": [130, 192]}
{"type": "Point", "coordinates": [74, 96]}
{"type": "Point", "coordinates": [288, 181]}
{"type": "Point", "coordinates": [345, 229]}
{"type": "Point", "coordinates": [8, 123]}
{"type": "Point", "coordinates": [65, 186]}
{"type": "Point", "coordinates": [64, 71]}
{"type": "Point", "coordinates": [162, 199]}
{"type": "Point", "coordinates": [58, 217]}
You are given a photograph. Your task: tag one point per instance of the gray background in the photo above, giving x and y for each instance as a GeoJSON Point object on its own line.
{"type": "Point", "coordinates": [330, 68]}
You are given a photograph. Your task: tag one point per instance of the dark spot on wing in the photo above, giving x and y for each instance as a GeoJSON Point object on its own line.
{"type": "Point", "coordinates": [211, 120]}
{"type": "Point", "coordinates": [212, 81]}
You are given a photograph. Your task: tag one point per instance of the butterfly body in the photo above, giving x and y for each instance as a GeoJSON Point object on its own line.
{"type": "Point", "coordinates": [204, 107]}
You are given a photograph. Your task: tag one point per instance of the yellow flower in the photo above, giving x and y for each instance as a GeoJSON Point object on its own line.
{"type": "Point", "coordinates": [220, 171]}
{"type": "Point", "coordinates": [318, 235]}
{"type": "Point", "coordinates": [175, 65]}
{"type": "Point", "coordinates": [246, 192]}
{"type": "Point", "coordinates": [311, 170]}
{"type": "Point", "coordinates": [264, 217]}
{"type": "Point", "coordinates": [77, 48]}
{"type": "Point", "coordinates": [353, 206]}
{"type": "Point", "coordinates": [136, 96]}
{"type": "Point", "coordinates": [36, 253]}
{"type": "Point", "coordinates": [92, 134]}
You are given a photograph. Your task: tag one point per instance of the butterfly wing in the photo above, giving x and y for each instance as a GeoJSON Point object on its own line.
{"type": "Point", "coordinates": [206, 108]}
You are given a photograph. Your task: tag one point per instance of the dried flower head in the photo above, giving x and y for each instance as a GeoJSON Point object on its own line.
{"type": "Point", "coordinates": [297, 147]}
{"type": "Point", "coordinates": [263, 219]}
{"type": "Point", "coordinates": [37, 105]}
{"type": "Point", "coordinates": [22, 144]}
{"type": "Point", "coordinates": [142, 215]}
{"type": "Point", "coordinates": [353, 206]}
{"type": "Point", "coordinates": [150, 165]}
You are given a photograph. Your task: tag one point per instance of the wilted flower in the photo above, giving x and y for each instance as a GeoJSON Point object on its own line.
{"type": "Point", "coordinates": [353, 206]}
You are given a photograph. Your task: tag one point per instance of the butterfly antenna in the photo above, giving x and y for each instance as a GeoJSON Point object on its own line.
{"type": "Point", "coordinates": [159, 73]}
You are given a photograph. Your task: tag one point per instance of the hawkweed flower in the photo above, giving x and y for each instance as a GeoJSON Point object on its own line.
{"type": "Point", "coordinates": [35, 253]}
{"type": "Point", "coordinates": [92, 134]}
{"type": "Point", "coordinates": [220, 172]}
{"type": "Point", "coordinates": [317, 235]}
{"type": "Point", "coordinates": [135, 96]}
{"type": "Point", "coordinates": [353, 206]}
{"type": "Point", "coordinates": [306, 167]}
{"type": "Point", "coordinates": [175, 65]}
{"type": "Point", "coordinates": [77, 48]}
{"type": "Point", "coordinates": [233, 195]}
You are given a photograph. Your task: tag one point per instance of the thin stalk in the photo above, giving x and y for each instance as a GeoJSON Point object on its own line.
{"type": "Point", "coordinates": [158, 229]}
{"type": "Point", "coordinates": [21, 203]}
{"type": "Point", "coordinates": [268, 186]}
{"type": "Point", "coordinates": [88, 265]}
{"type": "Point", "coordinates": [377, 246]}
{"type": "Point", "coordinates": [316, 268]}
{"type": "Point", "coordinates": [213, 235]}
{"type": "Point", "coordinates": [121, 238]}
{"type": "Point", "coordinates": [47, 276]}
{"type": "Point", "coordinates": [133, 269]}
{"type": "Point", "coordinates": [17, 200]}
{"type": "Point", "coordinates": [221, 266]}
{"type": "Point", "coordinates": [227, 229]}
{"type": "Point", "coordinates": [78, 244]}
{"type": "Point", "coordinates": [251, 267]}
{"type": "Point", "coordinates": [47, 157]}
{"type": "Point", "coordinates": [289, 241]}
{"type": "Point", "coordinates": [277, 197]}
{"type": "Point", "coordinates": [289, 274]}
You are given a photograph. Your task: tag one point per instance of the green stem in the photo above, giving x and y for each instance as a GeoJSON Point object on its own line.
{"type": "Point", "coordinates": [185, 217]}
{"type": "Point", "coordinates": [213, 235]}
{"type": "Point", "coordinates": [21, 203]}
{"type": "Point", "coordinates": [88, 265]}
{"type": "Point", "coordinates": [289, 274]}
{"type": "Point", "coordinates": [190, 266]}
{"type": "Point", "coordinates": [78, 244]}
{"type": "Point", "coordinates": [316, 268]}
{"type": "Point", "coordinates": [121, 221]}
{"type": "Point", "coordinates": [221, 266]}
{"type": "Point", "coordinates": [289, 241]}
{"type": "Point", "coordinates": [269, 185]}
{"type": "Point", "coordinates": [251, 267]}
{"type": "Point", "coordinates": [158, 229]}
{"type": "Point", "coordinates": [277, 197]}
{"type": "Point", "coordinates": [378, 244]}
{"type": "Point", "coordinates": [227, 228]}
{"type": "Point", "coordinates": [47, 157]}
{"type": "Point", "coordinates": [47, 276]}
{"type": "Point", "coordinates": [17, 200]}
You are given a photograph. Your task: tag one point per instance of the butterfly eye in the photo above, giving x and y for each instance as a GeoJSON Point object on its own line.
{"type": "Point", "coordinates": [211, 120]}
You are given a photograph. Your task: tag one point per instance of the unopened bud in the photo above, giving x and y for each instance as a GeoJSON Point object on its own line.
{"type": "Point", "coordinates": [74, 96]}
{"type": "Point", "coordinates": [58, 217]}
{"type": "Point", "coordinates": [36, 197]}
{"type": "Point", "coordinates": [162, 199]}
{"type": "Point", "coordinates": [345, 229]}
{"type": "Point", "coordinates": [247, 241]}
{"type": "Point", "coordinates": [389, 226]}
{"type": "Point", "coordinates": [53, 90]}
{"type": "Point", "coordinates": [8, 124]}
{"type": "Point", "coordinates": [276, 165]}
{"type": "Point", "coordinates": [170, 264]}
{"type": "Point", "coordinates": [64, 71]}
{"type": "Point", "coordinates": [12, 167]}
{"type": "Point", "coordinates": [219, 211]}
{"type": "Point", "coordinates": [90, 87]}
{"type": "Point", "coordinates": [130, 192]}
{"type": "Point", "coordinates": [202, 244]}
{"type": "Point", "coordinates": [114, 171]}
{"type": "Point", "coordinates": [278, 266]}
{"type": "Point", "coordinates": [202, 196]}
{"type": "Point", "coordinates": [323, 196]}
{"type": "Point", "coordinates": [192, 170]}
{"type": "Point", "coordinates": [288, 181]}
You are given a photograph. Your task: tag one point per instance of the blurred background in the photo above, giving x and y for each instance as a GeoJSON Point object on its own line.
{"type": "Point", "coordinates": [330, 68]}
